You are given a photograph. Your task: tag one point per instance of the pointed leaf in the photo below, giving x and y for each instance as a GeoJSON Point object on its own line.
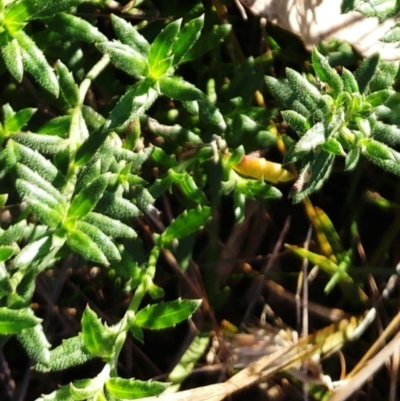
{"type": "Point", "coordinates": [46, 144]}
{"type": "Point", "coordinates": [84, 202]}
{"type": "Point", "coordinates": [33, 159]}
{"type": "Point", "coordinates": [111, 227]}
{"type": "Point", "coordinates": [129, 35]}
{"type": "Point", "coordinates": [33, 178]}
{"type": "Point", "coordinates": [13, 321]}
{"type": "Point", "coordinates": [177, 88]}
{"type": "Point", "coordinates": [98, 339]}
{"type": "Point", "coordinates": [320, 168]}
{"type": "Point", "coordinates": [69, 89]}
{"type": "Point", "coordinates": [106, 244]}
{"type": "Point", "coordinates": [82, 244]}
{"type": "Point", "coordinates": [352, 158]}
{"type": "Point", "coordinates": [125, 58]}
{"type": "Point", "coordinates": [187, 223]}
{"type": "Point", "coordinates": [34, 251]}
{"type": "Point", "coordinates": [72, 352]}
{"type": "Point", "coordinates": [45, 207]}
{"type": "Point", "coordinates": [326, 73]}
{"type": "Point", "coordinates": [36, 64]}
{"type": "Point", "coordinates": [207, 112]}
{"type": "Point", "coordinates": [312, 138]}
{"type": "Point", "coordinates": [12, 57]}
{"type": "Point", "coordinates": [207, 42]}
{"type": "Point", "coordinates": [296, 121]}
{"type": "Point", "coordinates": [349, 81]}
{"type": "Point", "coordinates": [188, 186]}
{"type": "Point", "coordinates": [187, 37]}
{"type": "Point", "coordinates": [131, 105]}
{"type": "Point", "coordinates": [379, 97]}
{"type": "Point", "coordinates": [306, 93]}
{"type": "Point", "coordinates": [117, 207]}
{"type": "Point", "coordinates": [86, 389]}
{"type": "Point", "coordinates": [333, 146]}
{"type": "Point", "coordinates": [161, 49]}
{"type": "Point", "coordinates": [366, 71]}
{"type": "Point", "coordinates": [35, 344]}
{"type": "Point", "coordinates": [166, 314]}
{"type": "Point", "coordinates": [131, 389]}
{"type": "Point", "coordinates": [76, 28]}
{"type": "Point", "coordinates": [19, 119]}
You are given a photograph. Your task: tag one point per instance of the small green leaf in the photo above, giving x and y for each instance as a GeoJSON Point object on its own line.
{"type": "Point", "coordinates": [111, 227]}
{"type": "Point", "coordinates": [207, 42]}
{"type": "Point", "coordinates": [46, 208]}
{"type": "Point", "coordinates": [352, 158]}
{"type": "Point", "coordinates": [117, 207]}
{"type": "Point", "coordinates": [306, 93]}
{"type": "Point", "coordinates": [349, 81]}
{"type": "Point", "coordinates": [320, 168]}
{"type": "Point", "coordinates": [166, 314]}
{"type": "Point", "coordinates": [177, 88]}
{"type": "Point", "coordinates": [379, 97]}
{"type": "Point", "coordinates": [89, 148]}
{"type": "Point", "coordinates": [69, 89]}
{"type": "Point", "coordinates": [98, 339]}
{"type": "Point", "coordinates": [389, 134]}
{"type": "Point", "coordinates": [207, 111]}
{"type": "Point", "coordinates": [311, 139]}
{"type": "Point", "coordinates": [82, 244]}
{"type": "Point", "coordinates": [385, 77]}
{"type": "Point", "coordinates": [326, 73]}
{"type": "Point", "coordinates": [34, 178]}
{"type": "Point", "coordinates": [84, 202]}
{"type": "Point", "coordinates": [14, 233]}
{"type": "Point", "coordinates": [366, 71]}
{"type": "Point", "coordinates": [72, 352]}
{"type": "Point", "coordinates": [6, 252]}
{"type": "Point", "coordinates": [129, 35]}
{"type": "Point", "coordinates": [12, 57]}
{"type": "Point", "coordinates": [187, 223]}
{"type": "Point", "coordinates": [106, 244]}
{"type": "Point", "coordinates": [35, 344]}
{"type": "Point", "coordinates": [34, 251]}
{"type": "Point", "coordinates": [333, 146]}
{"type": "Point", "coordinates": [161, 49]}
{"type": "Point", "coordinates": [125, 58]}
{"type": "Point", "coordinates": [363, 125]}
{"type": "Point", "coordinates": [13, 321]}
{"type": "Point", "coordinates": [58, 126]}
{"type": "Point", "coordinates": [46, 144]}
{"type": "Point", "coordinates": [75, 28]}
{"type": "Point", "coordinates": [36, 64]}
{"type": "Point", "coordinates": [86, 389]}
{"type": "Point", "coordinates": [131, 105]}
{"type": "Point", "coordinates": [193, 353]}
{"type": "Point", "coordinates": [136, 332]}
{"type": "Point", "coordinates": [188, 186]}
{"type": "Point", "coordinates": [377, 150]}
{"type": "Point", "coordinates": [37, 163]}
{"type": "Point", "coordinates": [131, 389]}
{"type": "Point", "coordinates": [296, 121]}
{"type": "Point", "coordinates": [187, 37]}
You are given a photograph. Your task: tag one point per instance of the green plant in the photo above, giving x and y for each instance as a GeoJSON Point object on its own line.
{"type": "Point", "coordinates": [78, 175]}
{"type": "Point", "coordinates": [342, 118]}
